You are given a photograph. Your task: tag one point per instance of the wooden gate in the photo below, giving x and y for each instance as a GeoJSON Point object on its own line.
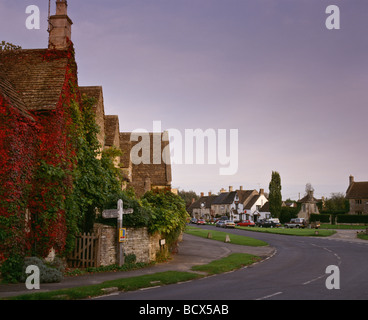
{"type": "Point", "coordinates": [86, 251]}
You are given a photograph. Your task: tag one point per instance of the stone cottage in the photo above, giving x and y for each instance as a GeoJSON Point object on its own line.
{"type": "Point", "coordinates": [357, 194]}
{"type": "Point", "coordinates": [38, 91]}
{"type": "Point", "coordinates": [308, 206]}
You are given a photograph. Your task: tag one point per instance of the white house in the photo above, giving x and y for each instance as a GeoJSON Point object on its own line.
{"type": "Point", "coordinates": [252, 208]}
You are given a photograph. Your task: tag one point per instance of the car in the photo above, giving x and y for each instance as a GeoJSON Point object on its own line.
{"type": "Point", "coordinates": [229, 224]}
{"type": "Point", "coordinates": [266, 224]}
{"type": "Point", "coordinates": [193, 220]}
{"type": "Point", "coordinates": [246, 223]}
{"type": "Point", "coordinates": [276, 221]}
{"type": "Point", "coordinates": [296, 223]}
{"type": "Point", "coordinates": [201, 221]}
{"type": "Point", "coordinates": [220, 223]}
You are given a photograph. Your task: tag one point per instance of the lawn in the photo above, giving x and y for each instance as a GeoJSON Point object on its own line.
{"type": "Point", "coordinates": [221, 236]}
{"type": "Point", "coordinates": [292, 232]}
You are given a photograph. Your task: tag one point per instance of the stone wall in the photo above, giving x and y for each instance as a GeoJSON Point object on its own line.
{"type": "Point", "coordinates": [139, 242]}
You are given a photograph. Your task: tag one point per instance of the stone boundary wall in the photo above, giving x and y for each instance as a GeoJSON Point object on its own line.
{"type": "Point", "coordinates": [139, 242]}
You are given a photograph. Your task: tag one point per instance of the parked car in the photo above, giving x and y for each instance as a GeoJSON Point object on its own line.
{"type": "Point", "coordinates": [229, 224]}
{"type": "Point", "coordinates": [220, 223]}
{"type": "Point", "coordinates": [246, 223]}
{"type": "Point", "coordinates": [201, 221]}
{"type": "Point", "coordinates": [193, 220]}
{"type": "Point", "coordinates": [276, 221]}
{"type": "Point", "coordinates": [296, 223]}
{"type": "Point", "coordinates": [266, 224]}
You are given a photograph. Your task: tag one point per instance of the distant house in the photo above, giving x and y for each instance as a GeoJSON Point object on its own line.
{"type": "Point", "coordinates": [357, 194]}
{"type": "Point", "coordinates": [308, 206]}
{"type": "Point", "coordinates": [202, 207]}
{"type": "Point", "coordinates": [156, 173]}
{"type": "Point", "coordinates": [264, 212]}
{"type": "Point", "coordinates": [252, 207]}
{"type": "Point", "coordinates": [237, 205]}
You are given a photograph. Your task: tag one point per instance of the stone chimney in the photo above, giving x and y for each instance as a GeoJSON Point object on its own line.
{"type": "Point", "coordinates": [351, 180]}
{"type": "Point", "coordinates": [261, 192]}
{"type": "Point", "coordinates": [231, 189]}
{"type": "Point", "coordinates": [202, 194]}
{"type": "Point", "coordinates": [60, 27]}
{"type": "Point", "coordinates": [241, 188]}
{"type": "Point", "coordinates": [209, 193]}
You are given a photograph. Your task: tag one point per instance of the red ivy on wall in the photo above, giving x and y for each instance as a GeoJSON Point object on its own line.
{"type": "Point", "coordinates": [17, 161]}
{"type": "Point", "coordinates": [36, 162]}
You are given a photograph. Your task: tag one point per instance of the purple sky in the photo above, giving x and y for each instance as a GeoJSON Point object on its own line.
{"type": "Point", "coordinates": [296, 91]}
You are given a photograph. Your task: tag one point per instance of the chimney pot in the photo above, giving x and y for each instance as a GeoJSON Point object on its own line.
{"type": "Point", "coordinates": [60, 27]}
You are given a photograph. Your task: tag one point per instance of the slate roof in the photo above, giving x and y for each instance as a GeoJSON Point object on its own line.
{"type": "Point", "coordinates": [208, 200]}
{"type": "Point", "coordinates": [357, 190]}
{"type": "Point", "coordinates": [265, 207]}
{"type": "Point", "coordinates": [252, 201]}
{"type": "Point", "coordinates": [309, 199]}
{"type": "Point", "coordinates": [11, 95]}
{"type": "Point", "coordinates": [38, 80]}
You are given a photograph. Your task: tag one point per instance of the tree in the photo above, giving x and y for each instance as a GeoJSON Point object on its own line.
{"type": "Point", "coordinates": [8, 46]}
{"type": "Point", "coordinates": [308, 188]}
{"type": "Point", "coordinates": [188, 197]}
{"type": "Point", "coordinates": [337, 203]}
{"type": "Point", "coordinates": [275, 197]}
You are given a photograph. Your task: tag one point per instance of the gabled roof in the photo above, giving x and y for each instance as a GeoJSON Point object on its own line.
{"type": "Point", "coordinates": [221, 198]}
{"type": "Point", "coordinates": [37, 75]}
{"type": "Point", "coordinates": [207, 200]}
{"type": "Point", "coordinates": [265, 207]}
{"type": "Point", "coordinates": [309, 198]}
{"type": "Point", "coordinates": [252, 201]}
{"type": "Point", "coordinates": [91, 92]}
{"type": "Point", "coordinates": [357, 190]}
{"type": "Point", "coordinates": [245, 194]}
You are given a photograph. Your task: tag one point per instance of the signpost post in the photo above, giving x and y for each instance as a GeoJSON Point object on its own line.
{"type": "Point", "coordinates": [118, 213]}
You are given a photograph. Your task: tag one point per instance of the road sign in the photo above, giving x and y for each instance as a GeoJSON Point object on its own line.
{"type": "Point", "coordinates": [114, 213]}
{"type": "Point", "coordinates": [122, 234]}
{"type": "Point", "coordinates": [118, 213]}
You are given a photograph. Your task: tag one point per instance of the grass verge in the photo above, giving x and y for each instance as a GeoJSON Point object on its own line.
{"type": "Point", "coordinates": [221, 236]}
{"type": "Point", "coordinates": [126, 284]}
{"type": "Point", "coordinates": [292, 232]}
{"type": "Point", "coordinates": [230, 263]}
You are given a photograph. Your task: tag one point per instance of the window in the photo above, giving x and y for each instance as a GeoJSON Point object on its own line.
{"type": "Point", "coordinates": [358, 201]}
{"type": "Point", "coordinates": [359, 213]}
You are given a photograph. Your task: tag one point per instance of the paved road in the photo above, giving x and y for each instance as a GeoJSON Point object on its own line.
{"type": "Point", "coordinates": [296, 271]}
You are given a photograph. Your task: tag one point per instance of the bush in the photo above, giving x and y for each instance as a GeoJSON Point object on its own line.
{"type": "Point", "coordinates": [324, 218]}
{"type": "Point", "coordinates": [11, 269]}
{"type": "Point", "coordinates": [351, 218]}
{"type": "Point", "coordinates": [130, 258]}
{"type": "Point", "coordinates": [47, 274]}
{"type": "Point", "coordinates": [288, 213]}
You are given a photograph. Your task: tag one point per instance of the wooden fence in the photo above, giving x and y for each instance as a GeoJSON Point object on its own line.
{"type": "Point", "coordinates": [86, 251]}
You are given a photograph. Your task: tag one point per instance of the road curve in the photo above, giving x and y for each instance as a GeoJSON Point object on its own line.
{"type": "Point", "coordinates": [297, 271]}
